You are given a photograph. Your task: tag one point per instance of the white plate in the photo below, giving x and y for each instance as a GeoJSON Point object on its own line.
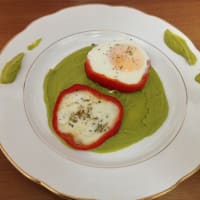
{"type": "Point", "coordinates": [121, 180]}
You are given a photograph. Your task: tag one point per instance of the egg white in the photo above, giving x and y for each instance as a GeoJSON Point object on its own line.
{"type": "Point", "coordinates": [101, 64]}
{"type": "Point", "coordinates": [83, 131]}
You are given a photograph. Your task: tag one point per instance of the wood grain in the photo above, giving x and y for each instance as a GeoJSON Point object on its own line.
{"type": "Point", "coordinates": [15, 15]}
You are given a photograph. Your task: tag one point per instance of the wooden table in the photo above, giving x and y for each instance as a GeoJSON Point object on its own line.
{"type": "Point", "coordinates": [15, 15]}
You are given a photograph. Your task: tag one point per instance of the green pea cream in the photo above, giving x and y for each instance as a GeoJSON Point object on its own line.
{"type": "Point", "coordinates": [11, 69]}
{"type": "Point", "coordinates": [179, 45]}
{"type": "Point", "coordinates": [144, 111]}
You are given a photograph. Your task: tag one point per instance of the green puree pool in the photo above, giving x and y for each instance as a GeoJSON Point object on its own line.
{"type": "Point", "coordinates": [144, 111]}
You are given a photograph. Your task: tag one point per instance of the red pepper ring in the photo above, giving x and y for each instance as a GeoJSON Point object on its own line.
{"type": "Point", "coordinates": [68, 138]}
{"type": "Point", "coordinates": [114, 84]}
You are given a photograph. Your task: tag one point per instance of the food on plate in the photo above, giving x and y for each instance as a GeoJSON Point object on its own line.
{"type": "Point", "coordinates": [11, 69]}
{"type": "Point", "coordinates": [85, 118]}
{"type": "Point", "coordinates": [34, 44]}
{"type": "Point", "coordinates": [179, 45]}
{"type": "Point", "coordinates": [197, 78]}
{"type": "Point", "coordinates": [118, 65]}
{"type": "Point", "coordinates": [144, 111]}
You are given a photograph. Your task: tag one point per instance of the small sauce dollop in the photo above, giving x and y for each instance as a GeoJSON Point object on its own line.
{"type": "Point", "coordinates": [34, 44]}
{"type": "Point", "coordinates": [11, 69]}
{"type": "Point", "coordinates": [179, 45]}
{"type": "Point", "coordinates": [197, 78]}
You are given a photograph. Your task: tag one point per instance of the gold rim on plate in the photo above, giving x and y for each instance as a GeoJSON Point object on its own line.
{"type": "Point", "coordinates": [64, 196]}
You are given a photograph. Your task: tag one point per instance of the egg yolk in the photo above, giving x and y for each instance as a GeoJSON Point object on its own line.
{"type": "Point", "coordinates": [126, 58]}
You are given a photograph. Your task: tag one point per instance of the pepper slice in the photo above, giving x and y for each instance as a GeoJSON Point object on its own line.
{"type": "Point", "coordinates": [84, 118]}
{"type": "Point", "coordinates": [114, 84]}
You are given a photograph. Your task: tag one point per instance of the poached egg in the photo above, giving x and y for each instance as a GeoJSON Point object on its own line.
{"type": "Point", "coordinates": [120, 65]}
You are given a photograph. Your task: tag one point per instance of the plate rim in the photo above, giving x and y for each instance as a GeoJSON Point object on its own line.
{"type": "Point", "coordinates": [63, 195]}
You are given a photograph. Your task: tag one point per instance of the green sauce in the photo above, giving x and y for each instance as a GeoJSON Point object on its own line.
{"type": "Point", "coordinates": [179, 45]}
{"type": "Point", "coordinates": [197, 78]}
{"type": "Point", "coordinates": [11, 69]}
{"type": "Point", "coordinates": [34, 44]}
{"type": "Point", "coordinates": [144, 111]}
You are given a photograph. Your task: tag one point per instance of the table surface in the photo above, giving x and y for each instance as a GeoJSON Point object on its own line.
{"type": "Point", "coordinates": [15, 15]}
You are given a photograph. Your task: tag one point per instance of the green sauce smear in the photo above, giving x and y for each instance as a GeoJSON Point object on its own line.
{"type": "Point", "coordinates": [179, 45]}
{"type": "Point", "coordinates": [197, 78]}
{"type": "Point", "coordinates": [144, 111]}
{"type": "Point", "coordinates": [34, 44]}
{"type": "Point", "coordinates": [11, 69]}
